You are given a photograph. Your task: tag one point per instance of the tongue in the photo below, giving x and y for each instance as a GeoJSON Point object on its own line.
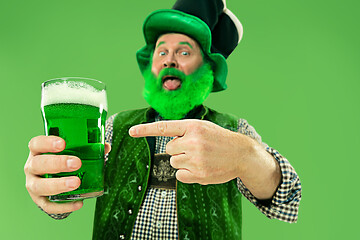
{"type": "Point", "coordinates": [172, 84]}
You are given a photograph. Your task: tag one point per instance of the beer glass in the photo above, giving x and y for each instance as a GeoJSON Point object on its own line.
{"type": "Point", "coordinates": [75, 109]}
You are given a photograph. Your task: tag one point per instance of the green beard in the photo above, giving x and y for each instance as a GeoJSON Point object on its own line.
{"type": "Point", "coordinates": [174, 105]}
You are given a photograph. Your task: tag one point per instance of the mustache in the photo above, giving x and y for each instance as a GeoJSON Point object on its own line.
{"type": "Point", "coordinates": [172, 72]}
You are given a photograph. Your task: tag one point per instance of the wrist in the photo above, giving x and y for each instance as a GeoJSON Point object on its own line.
{"type": "Point", "coordinates": [246, 149]}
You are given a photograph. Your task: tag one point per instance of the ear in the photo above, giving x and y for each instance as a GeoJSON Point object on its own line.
{"type": "Point", "coordinates": [207, 59]}
{"type": "Point", "coordinates": [144, 57]}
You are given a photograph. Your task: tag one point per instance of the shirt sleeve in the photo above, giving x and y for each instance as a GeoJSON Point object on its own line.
{"type": "Point", "coordinates": [109, 126]}
{"type": "Point", "coordinates": [108, 139]}
{"type": "Point", "coordinates": [56, 216]}
{"type": "Point", "coordinates": [284, 205]}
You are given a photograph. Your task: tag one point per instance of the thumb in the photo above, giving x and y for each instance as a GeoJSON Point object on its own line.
{"type": "Point", "coordinates": [107, 148]}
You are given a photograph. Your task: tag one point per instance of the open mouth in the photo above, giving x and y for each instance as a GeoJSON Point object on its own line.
{"type": "Point", "coordinates": [171, 82]}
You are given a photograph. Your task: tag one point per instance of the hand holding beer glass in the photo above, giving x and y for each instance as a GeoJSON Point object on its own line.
{"type": "Point", "coordinates": [67, 164]}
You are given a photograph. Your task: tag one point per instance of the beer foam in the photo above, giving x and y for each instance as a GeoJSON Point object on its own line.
{"type": "Point", "coordinates": [73, 92]}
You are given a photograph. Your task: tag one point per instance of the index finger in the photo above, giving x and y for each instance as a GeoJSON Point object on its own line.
{"type": "Point", "coordinates": [162, 128]}
{"type": "Point", "coordinates": [45, 144]}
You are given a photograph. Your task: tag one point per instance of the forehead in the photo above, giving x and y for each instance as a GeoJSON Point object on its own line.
{"type": "Point", "coordinates": [176, 38]}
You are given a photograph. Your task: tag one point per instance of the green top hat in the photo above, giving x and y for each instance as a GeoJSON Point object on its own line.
{"type": "Point", "coordinates": [213, 26]}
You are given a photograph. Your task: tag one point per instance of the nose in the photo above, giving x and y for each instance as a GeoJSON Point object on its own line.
{"type": "Point", "coordinates": [170, 61]}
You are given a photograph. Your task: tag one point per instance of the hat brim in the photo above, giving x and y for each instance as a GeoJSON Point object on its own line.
{"type": "Point", "coordinates": [173, 21]}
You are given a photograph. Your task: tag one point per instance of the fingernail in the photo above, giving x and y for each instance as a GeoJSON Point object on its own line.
{"type": "Point", "coordinates": [58, 144]}
{"type": "Point", "coordinates": [133, 131]}
{"type": "Point", "coordinates": [72, 163]}
{"type": "Point", "coordinates": [70, 183]}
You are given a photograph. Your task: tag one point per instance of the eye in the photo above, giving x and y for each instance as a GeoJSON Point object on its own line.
{"type": "Point", "coordinates": [184, 53]}
{"type": "Point", "coordinates": [162, 53]}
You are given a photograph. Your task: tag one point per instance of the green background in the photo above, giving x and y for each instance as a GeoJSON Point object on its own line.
{"type": "Point", "coordinates": [294, 77]}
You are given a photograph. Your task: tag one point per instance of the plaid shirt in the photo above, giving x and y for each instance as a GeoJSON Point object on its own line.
{"type": "Point", "coordinates": [157, 218]}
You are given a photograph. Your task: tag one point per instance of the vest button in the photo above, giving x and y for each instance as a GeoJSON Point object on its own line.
{"type": "Point", "coordinates": [139, 188]}
{"type": "Point", "coordinates": [163, 193]}
{"type": "Point", "coordinates": [130, 211]}
{"type": "Point", "coordinates": [159, 224]}
{"type": "Point", "coordinates": [122, 236]}
{"type": "Point", "coordinates": [147, 166]}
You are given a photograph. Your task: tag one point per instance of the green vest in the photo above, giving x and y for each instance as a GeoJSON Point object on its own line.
{"type": "Point", "coordinates": [203, 212]}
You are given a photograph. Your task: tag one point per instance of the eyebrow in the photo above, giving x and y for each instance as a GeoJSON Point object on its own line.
{"type": "Point", "coordinates": [160, 43]}
{"type": "Point", "coordinates": [182, 43]}
{"type": "Point", "coordinates": [186, 43]}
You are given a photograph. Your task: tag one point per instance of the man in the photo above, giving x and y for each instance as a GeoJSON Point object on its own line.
{"type": "Point", "coordinates": [181, 178]}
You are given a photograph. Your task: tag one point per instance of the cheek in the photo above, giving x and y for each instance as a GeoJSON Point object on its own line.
{"type": "Point", "coordinates": [191, 67]}
{"type": "Point", "coordinates": [155, 69]}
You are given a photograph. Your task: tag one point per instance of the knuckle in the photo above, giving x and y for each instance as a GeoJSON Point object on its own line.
{"type": "Point", "coordinates": [31, 143]}
{"type": "Point", "coordinates": [60, 162]}
{"type": "Point", "coordinates": [30, 165]}
{"type": "Point", "coordinates": [34, 143]}
{"type": "Point", "coordinates": [36, 165]}
{"type": "Point", "coordinates": [180, 176]}
{"type": "Point", "coordinates": [194, 142]}
{"type": "Point", "coordinates": [173, 162]}
{"type": "Point", "coordinates": [30, 186]}
{"type": "Point", "coordinates": [198, 128]}
{"type": "Point", "coordinates": [162, 126]}
{"type": "Point", "coordinates": [57, 163]}
{"type": "Point", "coordinates": [26, 167]}
{"type": "Point", "coordinates": [63, 184]}
{"type": "Point", "coordinates": [192, 125]}
{"type": "Point", "coordinates": [198, 145]}
{"type": "Point", "coordinates": [168, 148]}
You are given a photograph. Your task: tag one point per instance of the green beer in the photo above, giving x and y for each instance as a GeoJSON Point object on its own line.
{"type": "Point", "coordinates": [75, 109]}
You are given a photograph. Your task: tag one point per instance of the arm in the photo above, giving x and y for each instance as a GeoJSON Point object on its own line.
{"type": "Point", "coordinates": [284, 203]}
{"type": "Point", "coordinates": [256, 168]}
{"type": "Point", "coordinates": [206, 153]}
